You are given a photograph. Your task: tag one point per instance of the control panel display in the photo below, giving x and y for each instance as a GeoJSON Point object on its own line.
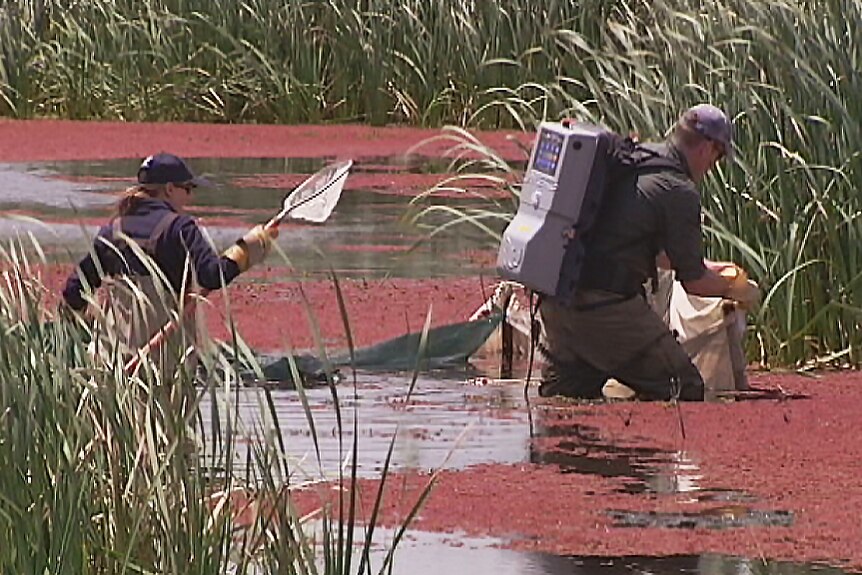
{"type": "Point", "coordinates": [548, 149]}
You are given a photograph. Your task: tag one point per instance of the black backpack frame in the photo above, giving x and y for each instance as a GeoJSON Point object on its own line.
{"type": "Point", "coordinates": [624, 157]}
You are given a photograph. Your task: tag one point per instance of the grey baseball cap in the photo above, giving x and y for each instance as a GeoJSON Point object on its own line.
{"type": "Point", "coordinates": [711, 123]}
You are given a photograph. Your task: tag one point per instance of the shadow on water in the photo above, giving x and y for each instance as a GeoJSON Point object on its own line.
{"type": "Point", "coordinates": [427, 553]}
{"type": "Point", "coordinates": [576, 448]}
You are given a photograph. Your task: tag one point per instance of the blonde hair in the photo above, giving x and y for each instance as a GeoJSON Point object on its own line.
{"type": "Point", "coordinates": [135, 194]}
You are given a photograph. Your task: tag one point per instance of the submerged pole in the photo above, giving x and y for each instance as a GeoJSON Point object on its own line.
{"type": "Point", "coordinates": [507, 348]}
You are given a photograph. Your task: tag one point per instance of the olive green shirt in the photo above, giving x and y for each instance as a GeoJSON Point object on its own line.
{"type": "Point", "coordinates": [662, 213]}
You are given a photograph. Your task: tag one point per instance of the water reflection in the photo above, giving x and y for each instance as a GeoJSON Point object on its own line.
{"type": "Point", "coordinates": [578, 448]}
{"type": "Point", "coordinates": [23, 186]}
{"type": "Point", "coordinates": [708, 564]}
{"type": "Point", "coordinates": [447, 422]}
{"type": "Point", "coordinates": [428, 553]}
{"type": "Point", "coordinates": [721, 517]}
{"type": "Point", "coordinates": [681, 475]}
{"type": "Point", "coordinates": [366, 236]}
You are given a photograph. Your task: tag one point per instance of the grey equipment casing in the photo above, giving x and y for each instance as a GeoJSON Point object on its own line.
{"type": "Point", "coordinates": [563, 186]}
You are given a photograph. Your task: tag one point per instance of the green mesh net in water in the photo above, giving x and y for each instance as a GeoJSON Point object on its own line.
{"type": "Point", "coordinates": [445, 347]}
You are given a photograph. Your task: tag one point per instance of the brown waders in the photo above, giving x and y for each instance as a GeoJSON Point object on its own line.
{"type": "Point", "coordinates": [135, 307]}
{"type": "Point", "coordinates": [603, 335]}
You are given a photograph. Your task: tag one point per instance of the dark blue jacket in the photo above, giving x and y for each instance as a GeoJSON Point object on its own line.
{"type": "Point", "coordinates": [181, 239]}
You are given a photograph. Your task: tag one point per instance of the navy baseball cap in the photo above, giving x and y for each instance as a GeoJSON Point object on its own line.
{"type": "Point", "coordinates": [711, 123]}
{"type": "Point", "coordinates": [164, 168]}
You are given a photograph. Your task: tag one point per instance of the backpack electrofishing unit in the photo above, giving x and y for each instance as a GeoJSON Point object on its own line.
{"type": "Point", "coordinates": [572, 166]}
{"type": "Point", "coordinates": [560, 196]}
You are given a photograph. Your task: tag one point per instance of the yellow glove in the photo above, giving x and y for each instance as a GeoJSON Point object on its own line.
{"type": "Point", "coordinates": [252, 248]}
{"type": "Point", "coordinates": [740, 289]}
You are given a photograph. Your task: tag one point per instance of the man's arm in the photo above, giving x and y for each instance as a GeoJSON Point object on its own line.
{"type": "Point", "coordinates": [213, 271]}
{"type": "Point", "coordinates": [709, 284]}
{"type": "Point", "coordinates": [725, 280]}
{"type": "Point", "coordinates": [712, 283]}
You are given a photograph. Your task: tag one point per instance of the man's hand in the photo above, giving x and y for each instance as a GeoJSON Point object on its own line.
{"type": "Point", "coordinates": [745, 293]}
{"type": "Point", "coordinates": [726, 280]}
{"type": "Point", "coordinates": [740, 289]}
{"type": "Point", "coordinates": [252, 248]}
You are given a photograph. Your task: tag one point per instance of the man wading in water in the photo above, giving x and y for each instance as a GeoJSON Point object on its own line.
{"type": "Point", "coordinates": [652, 217]}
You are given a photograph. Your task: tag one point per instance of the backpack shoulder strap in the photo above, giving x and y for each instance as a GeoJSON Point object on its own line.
{"type": "Point", "coordinates": [149, 244]}
{"type": "Point", "coordinates": [117, 230]}
{"type": "Point", "coordinates": [645, 160]}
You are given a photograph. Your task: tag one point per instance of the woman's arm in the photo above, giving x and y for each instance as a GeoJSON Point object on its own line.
{"type": "Point", "coordinates": [212, 270]}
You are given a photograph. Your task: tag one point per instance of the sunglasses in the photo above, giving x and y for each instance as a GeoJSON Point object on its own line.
{"type": "Point", "coordinates": [188, 187]}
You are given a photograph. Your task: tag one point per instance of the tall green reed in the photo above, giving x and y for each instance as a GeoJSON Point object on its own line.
{"type": "Point", "coordinates": [107, 472]}
{"type": "Point", "coordinates": [264, 61]}
{"type": "Point", "coordinates": [787, 209]}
